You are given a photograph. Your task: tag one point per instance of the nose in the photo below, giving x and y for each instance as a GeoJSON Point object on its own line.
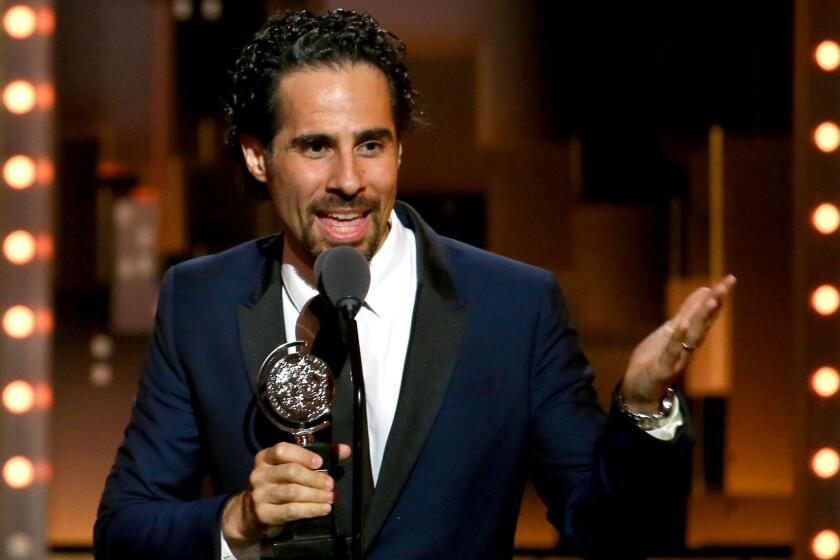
{"type": "Point", "coordinates": [347, 176]}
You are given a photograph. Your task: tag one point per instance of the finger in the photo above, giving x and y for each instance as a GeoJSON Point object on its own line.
{"type": "Point", "coordinates": [290, 493]}
{"type": "Point", "coordinates": [702, 315]}
{"type": "Point", "coordinates": [726, 284]}
{"type": "Point", "coordinates": [719, 292]}
{"type": "Point", "coordinates": [296, 474]}
{"type": "Point", "coordinates": [699, 316]}
{"type": "Point", "coordinates": [671, 360]}
{"type": "Point", "coordinates": [689, 304]}
{"type": "Point", "coordinates": [722, 289]}
{"type": "Point", "coordinates": [289, 453]}
{"type": "Point", "coordinates": [701, 308]}
{"type": "Point", "coordinates": [341, 451]}
{"type": "Point", "coordinates": [278, 514]}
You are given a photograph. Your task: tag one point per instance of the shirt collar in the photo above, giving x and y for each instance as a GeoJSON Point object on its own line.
{"type": "Point", "coordinates": [383, 269]}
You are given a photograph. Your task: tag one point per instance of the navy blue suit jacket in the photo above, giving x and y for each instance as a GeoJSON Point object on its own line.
{"type": "Point", "coordinates": [495, 391]}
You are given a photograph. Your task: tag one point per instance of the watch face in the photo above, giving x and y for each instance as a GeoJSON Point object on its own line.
{"type": "Point", "coordinates": [299, 388]}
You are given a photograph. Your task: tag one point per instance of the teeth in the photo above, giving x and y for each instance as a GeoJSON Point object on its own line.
{"type": "Point", "coordinates": [344, 216]}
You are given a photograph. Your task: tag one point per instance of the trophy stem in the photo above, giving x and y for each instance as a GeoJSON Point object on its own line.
{"type": "Point", "coordinates": [304, 439]}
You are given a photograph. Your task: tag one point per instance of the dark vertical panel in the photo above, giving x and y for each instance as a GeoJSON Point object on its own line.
{"type": "Point", "coordinates": [637, 80]}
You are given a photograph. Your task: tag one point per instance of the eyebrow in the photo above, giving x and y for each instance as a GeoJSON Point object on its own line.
{"type": "Point", "coordinates": [305, 140]}
{"type": "Point", "coordinates": [373, 134]}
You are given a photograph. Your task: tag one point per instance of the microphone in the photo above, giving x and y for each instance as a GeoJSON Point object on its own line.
{"type": "Point", "coordinates": [342, 274]}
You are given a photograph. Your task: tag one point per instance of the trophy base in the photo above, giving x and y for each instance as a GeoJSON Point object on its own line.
{"type": "Point", "coordinates": [314, 549]}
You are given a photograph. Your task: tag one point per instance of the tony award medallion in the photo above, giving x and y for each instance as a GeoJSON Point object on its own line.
{"type": "Point", "coordinates": [296, 391]}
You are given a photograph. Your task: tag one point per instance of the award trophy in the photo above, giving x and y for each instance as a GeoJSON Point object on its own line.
{"type": "Point", "coordinates": [295, 392]}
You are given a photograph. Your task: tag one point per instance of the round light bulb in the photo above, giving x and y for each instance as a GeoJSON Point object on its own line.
{"type": "Point", "coordinates": [19, 397]}
{"type": "Point", "coordinates": [19, 322]}
{"type": "Point", "coordinates": [825, 545]}
{"type": "Point", "coordinates": [19, 472]}
{"type": "Point", "coordinates": [826, 218]}
{"type": "Point", "coordinates": [827, 136]}
{"type": "Point", "coordinates": [19, 247]}
{"type": "Point", "coordinates": [20, 545]}
{"type": "Point", "coordinates": [825, 381]}
{"type": "Point", "coordinates": [825, 462]}
{"type": "Point", "coordinates": [825, 300]}
{"type": "Point", "coordinates": [19, 172]}
{"type": "Point", "coordinates": [19, 22]}
{"type": "Point", "coordinates": [827, 55]}
{"type": "Point", "coordinates": [19, 97]}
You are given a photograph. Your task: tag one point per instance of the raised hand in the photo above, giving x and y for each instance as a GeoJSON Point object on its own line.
{"type": "Point", "coordinates": [659, 359]}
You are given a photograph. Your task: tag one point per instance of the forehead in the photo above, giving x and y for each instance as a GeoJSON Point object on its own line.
{"type": "Point", "coordinates": [354, 95]}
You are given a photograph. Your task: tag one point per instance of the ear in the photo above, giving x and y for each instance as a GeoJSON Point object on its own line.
{"type": "Point", "coordinates": [399, 154]}
{"type": "Point", "coordinates": [255, 156]}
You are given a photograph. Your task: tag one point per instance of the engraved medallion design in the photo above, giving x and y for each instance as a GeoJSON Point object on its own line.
{"type": "Point", "coordinates": [296, 390]}
{"type": "Point", "coordinates": [299, 388]}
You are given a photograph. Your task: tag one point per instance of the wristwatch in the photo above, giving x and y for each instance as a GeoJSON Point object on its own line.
{"type": "Point", "coordinates": [649, 422]}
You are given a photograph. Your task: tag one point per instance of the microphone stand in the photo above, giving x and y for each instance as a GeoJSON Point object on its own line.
{"type": "Point", "coordinates": [347, 310]}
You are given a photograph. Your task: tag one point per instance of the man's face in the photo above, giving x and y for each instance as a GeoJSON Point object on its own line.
{"type": "Point", "coordinates": [332, 166]}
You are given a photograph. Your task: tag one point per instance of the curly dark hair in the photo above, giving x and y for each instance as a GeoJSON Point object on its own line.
{"type": "Point", "coordinates": [300, 39]}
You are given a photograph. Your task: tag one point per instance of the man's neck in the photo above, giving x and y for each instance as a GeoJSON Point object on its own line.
{"type": "Point", "coordinates": [294, 255]}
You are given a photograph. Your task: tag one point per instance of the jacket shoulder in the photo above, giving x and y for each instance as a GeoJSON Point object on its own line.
{"type": "Point", "coordinates": [471, 266]}
{"type": "Point", "coordinates": [233, 272]}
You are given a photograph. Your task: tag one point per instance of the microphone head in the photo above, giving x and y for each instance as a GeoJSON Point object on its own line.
{"type": "Point", "coordinates": [343, 273]}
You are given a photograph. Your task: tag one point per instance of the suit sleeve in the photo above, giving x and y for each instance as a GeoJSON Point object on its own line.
{"type": "Point", "coordinates": [610, 487]}
{"type": "Point", "coordinates": [151, 506]}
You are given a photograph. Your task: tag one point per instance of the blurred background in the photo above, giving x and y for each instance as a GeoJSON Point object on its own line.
{"type": "Point", "coordinates": [636, 149]}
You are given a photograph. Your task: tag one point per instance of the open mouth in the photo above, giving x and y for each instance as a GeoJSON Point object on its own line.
{"type": "Point", "coordinates": [344, 226]}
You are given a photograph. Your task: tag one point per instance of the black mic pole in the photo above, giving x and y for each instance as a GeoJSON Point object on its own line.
{"type": "Point", "coordinates": [347, 312]}
{"type": "Point", "coordinates": [343, 275]}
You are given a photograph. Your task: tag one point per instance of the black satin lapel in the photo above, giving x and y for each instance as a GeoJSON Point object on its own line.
{"type": "Point", "coordinates": [435, 341]}
{"type": "Point", "coordinates": [261, 329]}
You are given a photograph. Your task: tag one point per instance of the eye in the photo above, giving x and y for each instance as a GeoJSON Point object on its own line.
{"type": "Point", "coordinates": [316, 148]}
{"type": "Point", "coordinates": [370, 148]}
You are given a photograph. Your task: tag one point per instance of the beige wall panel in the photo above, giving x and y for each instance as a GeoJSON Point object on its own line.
{"type": "Point", "coordinates": [758, 251]}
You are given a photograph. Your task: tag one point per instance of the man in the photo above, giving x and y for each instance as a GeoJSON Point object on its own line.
{"type": "Point", "coordinates": [475, 379]}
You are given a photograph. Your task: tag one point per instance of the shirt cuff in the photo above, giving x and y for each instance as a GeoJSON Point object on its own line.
{"type": "Point", "coordinates": [250, 553]}
{"type": "Point", "coordinates": [668, 430]}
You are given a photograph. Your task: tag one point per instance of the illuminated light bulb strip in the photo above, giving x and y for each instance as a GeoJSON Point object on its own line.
{"type": "Point", "coordinates": [26, 100]}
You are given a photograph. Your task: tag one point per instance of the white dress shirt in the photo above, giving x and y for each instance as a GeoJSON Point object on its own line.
{"type": "Point", "coordinates": [384, 327]}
